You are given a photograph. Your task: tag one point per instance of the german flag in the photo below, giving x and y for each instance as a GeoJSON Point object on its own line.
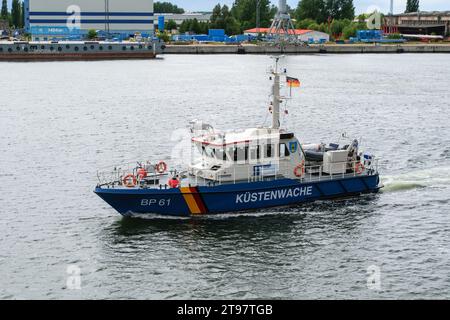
{"type": "Point", "coordinates": [194, 200]}
{"type": "Point", "coordinates": [293, 82]}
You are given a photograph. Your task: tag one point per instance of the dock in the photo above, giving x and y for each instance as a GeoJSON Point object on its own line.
{"type": "Point", "coordinates": [311, 49]}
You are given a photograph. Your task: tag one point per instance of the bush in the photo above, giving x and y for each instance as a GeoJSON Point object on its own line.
{"type": "Point", "coordinates": [164, 36]}
{"type": "Point", "coordinates": [337, 26]}
{"type": "Point", "coordinates": [349, 31]}
{"type": "Point", "coordinates": [394, 36]}
{"type": "Point", "coordinates": [92, 34]}
{"type": "Point", "coordinates": [313, 26]}
{"type": "Point", "coordinates": [303, 24]}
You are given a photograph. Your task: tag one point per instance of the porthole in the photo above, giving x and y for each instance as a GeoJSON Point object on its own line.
{"type": "Point", "coordinates": [67, 46]}
{"type": "Point", "coordinates": [140, 46]}
{"type": "Point", "coordinates": [76, 48]}
{"type": "Point", "coordinates": [18, 48]}
{"type": "Point", "coordinates": [59, 49]}
{"type": "Point", "coordinates": [92, 47]}
{"type": "Point", "coordinates": [100, 48]}
{"type": "Point", "coordinates": [109, 47]}
{"type": "Point", "coordinates": [42, 47]}
{"type": "Point", "coordinates": [25, 49]}
{"type": "Point", "coordinates": [132, 48]}
{"type": "Point", "coordinates": [1, 49]}
{"type": "Point", "coordinates": [51, 48]}
{"type": "Point", "coordinates": [124, 48]}
{"type": "Point", "coordinates": [85, 48]}
{"type": "Point", "coordinates": [9, 50]}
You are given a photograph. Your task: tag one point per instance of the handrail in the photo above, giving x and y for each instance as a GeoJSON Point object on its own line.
{"type": "Point", "coordinates": [312, 173]}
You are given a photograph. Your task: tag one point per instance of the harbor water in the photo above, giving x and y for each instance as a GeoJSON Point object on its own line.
{"type": "Point", "coordinates": [62, 121]}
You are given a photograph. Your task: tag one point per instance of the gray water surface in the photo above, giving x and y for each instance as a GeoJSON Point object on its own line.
{"type": "Point", "coordinates": [60, 122]}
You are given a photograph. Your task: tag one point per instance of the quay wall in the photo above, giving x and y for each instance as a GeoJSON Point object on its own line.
{"type": "Point", "coordinates": [333, 49]}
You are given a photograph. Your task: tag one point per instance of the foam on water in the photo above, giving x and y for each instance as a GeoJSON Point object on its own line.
{"type": "Point", "coordinates": [437, 176]}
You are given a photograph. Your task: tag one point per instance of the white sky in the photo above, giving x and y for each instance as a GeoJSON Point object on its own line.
{"type": "Point", "coordinates": [360, 5]}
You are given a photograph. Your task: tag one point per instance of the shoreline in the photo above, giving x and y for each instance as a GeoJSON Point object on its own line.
{"type": "Point", "coordinates": [312, 49]}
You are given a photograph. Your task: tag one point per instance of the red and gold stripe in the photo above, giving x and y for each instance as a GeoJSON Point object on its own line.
{"type": "Point", "coordinates": [193, 200]}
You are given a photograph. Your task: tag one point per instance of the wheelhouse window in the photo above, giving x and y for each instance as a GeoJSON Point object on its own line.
{"type": "Point", "coordinates": [269, 150]}
{"type": "Point", "coordinates": [220, 154]}
{"type": "Point", "coordinates": [284, 151]}
{"type": "Point", "coordinates": [210, 152]}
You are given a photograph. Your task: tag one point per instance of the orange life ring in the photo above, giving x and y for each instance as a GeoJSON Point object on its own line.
{"type": "Point", "coordinates": [129, 181]}
{"type": "Point", "coordinates": [299, 170]}
{"type": "Point", "coordinates": [141, 173]}
{"type": "Point", "coordinates": [359, 168]}
{"type": "Point", "coordinates": [161, 167]}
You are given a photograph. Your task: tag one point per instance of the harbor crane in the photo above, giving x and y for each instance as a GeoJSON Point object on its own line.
{"type": "Point", "coordinates": [282, 29]}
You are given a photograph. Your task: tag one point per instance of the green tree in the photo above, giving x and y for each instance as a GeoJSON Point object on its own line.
{"type": "Point", "coordinates": [166, 7]}
{"type": "Point", "coordinates": [216, 16]}
{"type": "Point", "coordinates": [313, 26]}
{"type": "Point", "coordinates": [171, 25]}
{"type": "Point", "coordinates": [336, 27]}
{"type": "Point", "coordinates": [340, 9]}
{"type": "Point", "coordinates": [347, 10]}
{"type": "Point", "coordinates": [244, 11]}
{"type": "Point", "coordinates": [310, 10]}
{"type": "Point", "coordinates": [303, 24]}
{"type": "Point", "coordinates": [22, 18]}
{"type": "Point", "coordinates": [349, 31]}
{"type": "Point", "coordinates": [221, 18]}
{"type": "Point", "coordinates": [412, 6]}
{"type": "Point", "coordinates": [16, 14]}
{"type": "Point", "coordinates": [4, 12]}
{"type": "Point", "coordinates": [194, 26]}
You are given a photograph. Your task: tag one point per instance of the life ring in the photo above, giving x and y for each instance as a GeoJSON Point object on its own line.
{"type": "Point", "coordinates": [141, 173]}
{"type": "Point", "coordinates": [359, 168]}
{"type": "Point", "coordinates": [129, 181]}
{"type": "Point", "coordinates": [161, 167]}
{"type": "Point", "coordinates": [174, 183]}
{"type": "Point", "coordinates": [299, 170]}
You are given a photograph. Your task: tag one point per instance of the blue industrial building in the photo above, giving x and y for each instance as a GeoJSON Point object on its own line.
{"type": "Point", "coordinates": [71, 19]}
{"type": "Point", "coordinates": [214, 35]}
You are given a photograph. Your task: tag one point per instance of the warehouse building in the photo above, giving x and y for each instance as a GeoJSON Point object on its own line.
{"type": "Point", "coordinates": [179, 18]}
{"type": "Point", "coordinates": [301, 34]}
{"type": "Point", "coordinates": [423, 22]}
{"type": "Point", "coordinates": [46, 20]}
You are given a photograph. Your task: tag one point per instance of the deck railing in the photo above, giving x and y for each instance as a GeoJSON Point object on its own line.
{"type": "Point", "coordinates": [311, 173]}
{"type": "Point", "coordinates": [114, 178]}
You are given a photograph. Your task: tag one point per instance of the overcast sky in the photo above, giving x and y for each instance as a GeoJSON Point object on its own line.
{"type": "Point", "coordinates": [361, 5]}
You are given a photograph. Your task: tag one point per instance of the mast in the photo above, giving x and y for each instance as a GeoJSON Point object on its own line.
{"type": "Point", "coordinates": [276, 96]}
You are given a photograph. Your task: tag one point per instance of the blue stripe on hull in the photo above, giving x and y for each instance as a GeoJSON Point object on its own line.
{"type": "Point", "coordinates": [92, 14]}
{"type": "Point", "coordinates": [92, 21]}
{"type": "Point", "coordinates": [236, 197]}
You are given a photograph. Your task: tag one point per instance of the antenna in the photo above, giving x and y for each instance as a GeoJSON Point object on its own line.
{"type": "Point", "coordinates": [258, 16]}
{"type": "Point", "coordinates": [392, 8]}
{"type": "Point", "coordinates": [276, 94]}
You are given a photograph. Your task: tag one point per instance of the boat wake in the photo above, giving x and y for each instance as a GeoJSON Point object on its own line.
{"type": "Point", "coordinates": [438, 176]}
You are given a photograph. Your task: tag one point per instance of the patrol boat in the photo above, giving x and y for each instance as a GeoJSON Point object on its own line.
{"type": "Point", "coordinates": [243, 170]}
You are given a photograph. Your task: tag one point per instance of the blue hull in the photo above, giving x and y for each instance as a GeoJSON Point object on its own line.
{"type": "Point", "coordinates": [233, 197]}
